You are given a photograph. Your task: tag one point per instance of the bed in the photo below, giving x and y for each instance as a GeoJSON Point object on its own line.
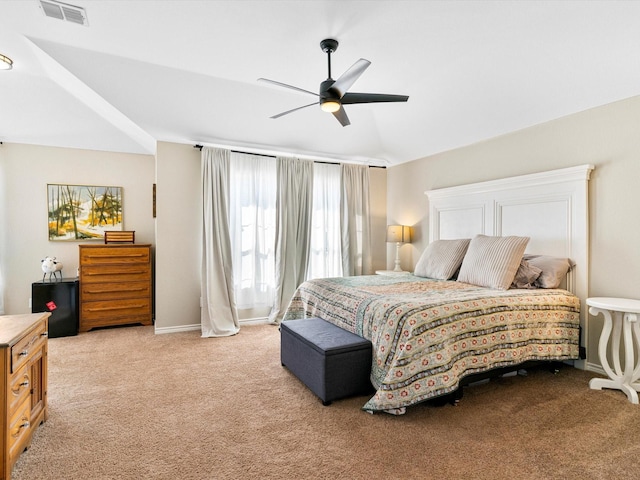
{"type": "Point", "coordinates": [474, 303]}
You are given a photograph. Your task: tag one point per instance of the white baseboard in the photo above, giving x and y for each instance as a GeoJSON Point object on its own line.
{"type": "Point", "coordinates": [594, 367]}
{"type": "Point", "coordinates": [190, 328]}
{"type": "Point", "coordinates": [181, 328]}
{"type": "Point", "coordinates": [254, 321]}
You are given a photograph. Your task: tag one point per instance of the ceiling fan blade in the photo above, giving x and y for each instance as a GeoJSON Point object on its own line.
{"type": "Point", "coordinates": [280, 84]}
{"type": "Point", "coordinates": [341, 115]}
{"type": "Point", "coordinates": [351, 98]}
{"type": "Point", "coordinates": [349, 77]}
{"type": "Point", "coordinates": [293, 110]}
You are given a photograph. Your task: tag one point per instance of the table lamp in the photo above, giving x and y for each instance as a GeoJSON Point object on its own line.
{"type": "Point", "coordinates": [398, 234]}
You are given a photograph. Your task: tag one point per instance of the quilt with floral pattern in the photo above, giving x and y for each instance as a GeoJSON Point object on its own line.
{"type": "Point", "coordinates": [429, 334]}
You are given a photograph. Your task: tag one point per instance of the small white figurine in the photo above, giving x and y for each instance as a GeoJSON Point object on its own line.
{"type": "Point", "coordinates": [51, 266]}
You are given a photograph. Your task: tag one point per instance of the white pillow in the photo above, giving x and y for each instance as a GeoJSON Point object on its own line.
{"type": "Point", "coordinates": [441, 259]}
{"type": "Point", "coordinates": [492, 261]}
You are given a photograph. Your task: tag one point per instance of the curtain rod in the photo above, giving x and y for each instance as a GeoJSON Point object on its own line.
{"type": "Point", "coordinates": [199, 147]}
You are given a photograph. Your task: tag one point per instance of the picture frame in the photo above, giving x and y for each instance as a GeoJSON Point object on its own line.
{"type": "Point", "coordinates": [83, 212]}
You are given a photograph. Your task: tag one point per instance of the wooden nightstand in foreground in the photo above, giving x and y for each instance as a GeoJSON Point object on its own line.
{"type": "Point", "coordinates": [621, 320]}
{"type": "Point", "coordinates": [23, 391]}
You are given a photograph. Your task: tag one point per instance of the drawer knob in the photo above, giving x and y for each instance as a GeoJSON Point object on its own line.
{"type": "Point", "coordinates": [24, 383]}
{"type": "Point", "coordinates": [44, 334]}
{"type": "Point", "coordinates": [23, 353]}
{"type": "Point", "coordinates": [25, 424]}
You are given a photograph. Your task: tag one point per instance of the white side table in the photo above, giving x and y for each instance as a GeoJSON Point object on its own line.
{"type": "Point", "coordinates": [621, 320]}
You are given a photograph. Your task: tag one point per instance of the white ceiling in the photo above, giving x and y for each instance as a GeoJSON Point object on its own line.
{"type": "Point", "coordinates": [186, 72]}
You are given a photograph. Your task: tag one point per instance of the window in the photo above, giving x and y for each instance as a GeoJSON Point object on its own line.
{"type": "Point", "coordinates": [252, 224]}
{"type": "Point", "coordinates": [325, 256]}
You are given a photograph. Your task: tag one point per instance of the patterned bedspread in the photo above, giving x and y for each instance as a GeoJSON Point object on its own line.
{"type": "Point", "coordinates": [429, 334]}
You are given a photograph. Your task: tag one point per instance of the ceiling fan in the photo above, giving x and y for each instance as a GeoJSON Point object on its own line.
{"type": "Point", "coordinates": [334, 93]}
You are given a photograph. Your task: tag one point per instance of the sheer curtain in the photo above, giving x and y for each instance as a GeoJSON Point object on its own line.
{"type": "Point", "coordinates": [325, 255]}
{"type": "Point", "coordinates": [219, 316]}
{"type": "Point", "coordinates": [355, 220]}
{"type": "Point", "coordinates": [293, 230]}
{"type": "Point", "coordinates": [253, 228]}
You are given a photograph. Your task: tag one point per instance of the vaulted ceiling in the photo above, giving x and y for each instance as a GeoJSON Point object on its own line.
{"type": "Point", "coordinates": [185, 71]}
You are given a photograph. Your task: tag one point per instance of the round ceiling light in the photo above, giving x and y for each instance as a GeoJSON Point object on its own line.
{"type": "Point", "coordinates": [330, 106]}
{"type": "Point", "coordinates": [5, 62]}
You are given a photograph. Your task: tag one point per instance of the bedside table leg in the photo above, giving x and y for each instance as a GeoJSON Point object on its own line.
{"type": "Point", "coordinates": [616, 335]}
{"type": "Point", "coordinates": [626, 327]}
{"type": "Point", "coordinates": [604, 341]}
{"type": "Point", "coordinates": [632, 366]}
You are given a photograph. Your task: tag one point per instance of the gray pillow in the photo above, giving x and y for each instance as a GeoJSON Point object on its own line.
{"type": "Point", "coordinates": [554, 269]}
{"type": "Point", "coordinates": [492, 261]}
{"type": "Point", "coordinates": [526, 275]}
{"type": "Point", "coordinates": [441, 259]}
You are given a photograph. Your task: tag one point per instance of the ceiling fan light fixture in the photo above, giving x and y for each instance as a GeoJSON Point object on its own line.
{"type": "Point", "coordinates": [5, 62]}
{"type": "Point", "coordinates": [330, 106]}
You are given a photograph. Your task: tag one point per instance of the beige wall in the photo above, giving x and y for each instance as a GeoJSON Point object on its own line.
{"type": "Point", "coordinates": [378, 211]}
{"type": "Point", "coordinates": [178, 237]}
{"type": "Point", "coordinates": [607, 137]}
{"type": "Point", "coordinates": [25, 171]}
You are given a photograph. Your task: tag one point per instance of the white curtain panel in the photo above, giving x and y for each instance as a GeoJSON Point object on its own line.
{"type": "Point", "coordinates": [325, 255]}
{"type": "Point", "coordinates": [355, 221]}
{"type": "Point", "coordinates": [293, 230]}
{"type": "Point", "coordinates": [219, 317]}
{"type": "Point", "coordinates": [252, 222]}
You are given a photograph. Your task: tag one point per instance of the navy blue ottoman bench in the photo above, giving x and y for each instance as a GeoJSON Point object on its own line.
{"type": "Point", "coordinates": [331, 361]}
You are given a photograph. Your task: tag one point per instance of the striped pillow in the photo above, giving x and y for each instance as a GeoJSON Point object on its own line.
{"type": "Point", "coordinates": [492, 261]}
{"type": "Point", "coordinates": [441, 259]}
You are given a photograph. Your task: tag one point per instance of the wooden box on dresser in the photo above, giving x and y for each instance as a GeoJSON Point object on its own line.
{"type": "Point", "coordinates": [115, 285]}
{"type": "Point", "coordinates": [23, 365]}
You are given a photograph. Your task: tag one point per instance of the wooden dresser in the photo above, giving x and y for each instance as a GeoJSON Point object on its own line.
{"type": "Point", "coordinates": [115, 285]}
{"type": "Point", "coordinates": [24, 344]}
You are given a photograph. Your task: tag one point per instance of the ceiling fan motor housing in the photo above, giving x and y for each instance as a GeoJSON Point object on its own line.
{"type": "Point", "coordinates": [327, 92]}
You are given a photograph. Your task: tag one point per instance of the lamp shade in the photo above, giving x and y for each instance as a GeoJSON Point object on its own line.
{"type": "Point", "coordinates": [398, 234]}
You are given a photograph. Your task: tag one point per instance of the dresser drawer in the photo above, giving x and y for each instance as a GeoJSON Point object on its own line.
{"type": "Point", "coordinates": [27, 346]}
{"type": "Point", "coordinates": [114, 255]}
{"type": "Point", "coordinates": [19, 429]}
{"type": "Point", "coordinates": [114, 273]}
{"type": "Point", "coordinates": [122, 308]}
{"type": "Point", "coordinates": [108, 291]}
{"type": "Point", "coordinates": [19, 389]}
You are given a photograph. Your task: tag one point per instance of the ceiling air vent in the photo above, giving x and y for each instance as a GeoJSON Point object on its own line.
{"type": "Point", "coordinates": [64, 11]}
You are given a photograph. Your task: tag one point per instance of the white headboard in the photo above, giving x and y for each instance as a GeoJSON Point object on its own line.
{"type": "Point", "coordinates": [551, 208]}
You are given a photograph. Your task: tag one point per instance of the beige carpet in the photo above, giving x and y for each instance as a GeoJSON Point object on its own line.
{"type": "Point", "coordinates": [127, 404]}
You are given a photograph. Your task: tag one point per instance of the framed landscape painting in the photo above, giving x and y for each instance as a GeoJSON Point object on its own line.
{"type": "Point", "coordinates": [80, 212]}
